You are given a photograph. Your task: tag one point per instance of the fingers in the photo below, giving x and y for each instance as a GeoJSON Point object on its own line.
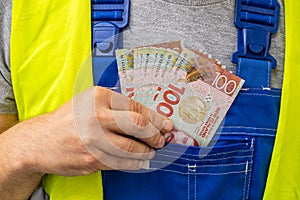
{"type": "Point", "coordinates": [136, 125]}
{"type": "Point", "coordinates": [124, 147]}
{"type": "Point", "coordinates": [117, 163]}
{"type": "Point", "coordinates": [129, 117]}
{"type": "Point", "coordinates": [118, 152]}
{"type": "Point", "coordinates": [123, 103]}
{"type": "Point", "coordinates": [100, 160]}
{"type": "Point", "coordinates": [162, 123]}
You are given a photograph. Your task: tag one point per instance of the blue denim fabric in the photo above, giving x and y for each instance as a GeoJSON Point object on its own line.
{"type": "Point", "coordinates": [233, 167]}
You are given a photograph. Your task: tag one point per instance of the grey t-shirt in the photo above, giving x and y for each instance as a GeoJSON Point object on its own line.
{"type": "Point", "coordinates": [206, 25]}
{"type": "Point", "coordinates": [7, 101]}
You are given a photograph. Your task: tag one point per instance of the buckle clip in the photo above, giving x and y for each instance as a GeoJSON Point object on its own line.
{"type": "Point", "coordinates": [256, 24]}
{"type": "Point", "coordinates": [106, 37]}
{"type": "Point", "coordinates": [107, 21]}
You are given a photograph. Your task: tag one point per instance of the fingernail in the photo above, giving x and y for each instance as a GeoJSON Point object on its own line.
{"type": "Point", "coordinates": [145, 164]}
{"type": "Point", "coordinates": [151, 155]}
{"type": "Point", "coordinates": [161, 142]}
{"type": "Point", "coordinates": [168, 125]}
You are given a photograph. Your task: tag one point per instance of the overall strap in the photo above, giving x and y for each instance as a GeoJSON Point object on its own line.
{"type": "Point", "coordinates": [256, 20]}
{"type": "Point", "coordinates": [109, 17]}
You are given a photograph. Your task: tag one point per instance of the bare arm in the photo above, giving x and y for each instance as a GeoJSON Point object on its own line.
{"type": "Point", "coordinates": [87, 134]}
{"type": "Point", "coordinates": [17, 180]}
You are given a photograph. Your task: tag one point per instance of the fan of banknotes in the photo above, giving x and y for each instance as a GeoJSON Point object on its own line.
{"type": "Point", "coordinates": [190, 87]}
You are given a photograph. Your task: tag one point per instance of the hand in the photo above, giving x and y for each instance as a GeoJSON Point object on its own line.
{"type": "Point", "coordinates": [98, 129]}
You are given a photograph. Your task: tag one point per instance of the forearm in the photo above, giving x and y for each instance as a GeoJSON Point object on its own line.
{"type": "Point", "coordinates": [79, 138]}
{"type": "Point", "coordinates": [18, 179]}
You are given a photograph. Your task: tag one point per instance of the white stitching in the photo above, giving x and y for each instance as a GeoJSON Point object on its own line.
{"type": "Point", "coordinates": [250, 174]}
{"type": "Point", "coordinates": [267, 95]}
{"type": "Point", "coordinates": [201, 166]}
{"type": "Point", "coordinates": [205, 159]}
{"type": "Point", "coordinates": [269, 22]}
{"type": "Point", "coordinates": [260, 89]}
{"type": "Point", "coordinates": [103, 178]}
{"type": "Point", "coordinates": [200, 173]}
{"type": "Point", "coordinates": [248, 127]}
{"type": "Point", "coordinates": [195, 187]}
{"type": "Point", "coordinates": [192, 168]}
{"type": "Point", "coordinates": [249, 133]}
{"type": "Point", "coordinates": [239, 68]}
{"type": "Point", "coordinates": [188, 182]}
{"type": "Point", "coordinates": [215, 154]}
{"type": "Point", "coordinates": [245, 182]}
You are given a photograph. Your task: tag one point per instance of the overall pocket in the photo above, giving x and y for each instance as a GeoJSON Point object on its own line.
{"type": "Point", "coordinates": [219, 172]}
{"type": "Point", "coordinates": [234, 167]}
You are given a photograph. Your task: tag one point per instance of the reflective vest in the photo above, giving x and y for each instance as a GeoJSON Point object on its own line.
{"type": "Point", "coordinates": [50, 50]}
{"type": "Point", "coordinates": [50, 62]}
{"type": "Point", "coordinates": [284, 174]}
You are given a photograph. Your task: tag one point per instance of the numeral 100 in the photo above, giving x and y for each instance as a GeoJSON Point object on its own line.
{"type": "Point", "coordinates": [221, 83]}
{"type": "Point", "coordinates": [166, 108]}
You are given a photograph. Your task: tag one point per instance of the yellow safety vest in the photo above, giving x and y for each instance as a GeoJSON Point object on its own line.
{"type": "Point", "coordinates": [284, 174]}
{"type": "Point", "coordinates": [50, 62]}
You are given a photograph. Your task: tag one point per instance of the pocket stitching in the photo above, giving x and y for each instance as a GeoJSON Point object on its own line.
{"type": "Point", "coordinates": [249, 173]}
{"type": "Point", "coordinates": [214, 154]}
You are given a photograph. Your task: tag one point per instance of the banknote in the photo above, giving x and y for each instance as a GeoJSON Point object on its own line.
{"type": "Point", "coordinates": [152, 67]}
{"type": "Point", "coordinates": [195, 65]}
{"type": "Point", "coordinates": [132, 64]}
{"type": "Point", "coordinates": [190, 87]}
{"type": "Point", "coordinates": [151, 80]}
{"type": "Point", "coordinates": [156, 76]}
{"type": "Point", "coordinates": [126, 71]}
{"type": "Point", "coordinates": [196, 109]}
{"type": "Point", "coordinates": [197, 98]}
{"type": "Point", "coordinates": [159, 58]}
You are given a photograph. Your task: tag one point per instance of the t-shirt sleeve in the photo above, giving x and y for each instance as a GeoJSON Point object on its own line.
{"type": "Point", "coordinates": [7, 100]}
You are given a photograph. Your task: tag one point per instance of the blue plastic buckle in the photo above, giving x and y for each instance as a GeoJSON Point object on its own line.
{"type": "Point", "coordinates": [256, 23]}
{"type": "Point", "coordinates": [109, 17]}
